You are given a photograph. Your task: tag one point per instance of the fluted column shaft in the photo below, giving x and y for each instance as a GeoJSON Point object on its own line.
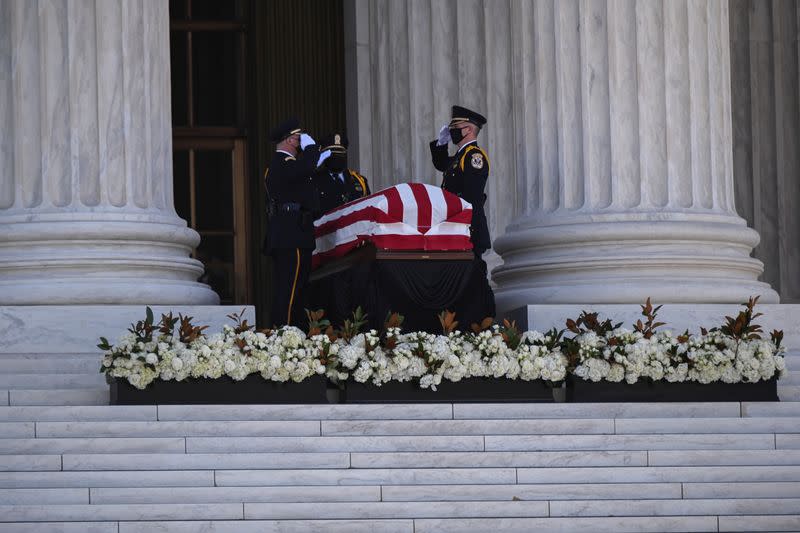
{"type": "Point", "coordinates": [628, 185]}
{"type": "Point", "coordinates": [86, 207]}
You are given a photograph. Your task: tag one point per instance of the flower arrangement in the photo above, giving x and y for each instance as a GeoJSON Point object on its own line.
{"type": "Point", "coordinates": [590, 349]}
{"type": "Point", "coordinates": [151, 351]}
{"type": "Point", "coordinates": [733, 353]}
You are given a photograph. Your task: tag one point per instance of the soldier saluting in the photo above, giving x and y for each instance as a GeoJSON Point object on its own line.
{"type": "Point", "coordinates": [291, 200]}
{"type": "Point", "coordinates": [466, 172]}
{"type": "Point", "coordinates": [336, 182]}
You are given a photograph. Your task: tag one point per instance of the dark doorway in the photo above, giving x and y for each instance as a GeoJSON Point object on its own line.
{"type": "Point", "coordinates": [238, 68]}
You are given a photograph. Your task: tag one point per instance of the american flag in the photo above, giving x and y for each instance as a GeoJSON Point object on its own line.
{"type": "Point", "coordinates": [409, 216]}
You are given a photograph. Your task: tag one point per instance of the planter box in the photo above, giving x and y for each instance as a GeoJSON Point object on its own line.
{"type": "Point", "coordinates": [252, 390]}
{"type": "Point", "coordinates": [472, 390]}
{"type": "Point", "coordinates": [579, 390]}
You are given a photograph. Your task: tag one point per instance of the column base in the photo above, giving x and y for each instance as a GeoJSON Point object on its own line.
{"type": "Point", "coordinates": [696, 260]}
{"type": "Point", "coordinates": [100, 258]}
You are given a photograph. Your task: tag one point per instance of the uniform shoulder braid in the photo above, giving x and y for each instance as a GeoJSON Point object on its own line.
{"type": "Point", "coordinates": [475, 157]}
{"type": "Point", "coordinates": [361, 181]}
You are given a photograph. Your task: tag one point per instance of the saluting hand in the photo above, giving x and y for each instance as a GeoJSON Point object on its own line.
{"type": "Point", "coordinates": [444, 136]}
{"type": "Point", "coordinates": [306, 140]}
{"type": "Point", "coordinates": [322, 157]}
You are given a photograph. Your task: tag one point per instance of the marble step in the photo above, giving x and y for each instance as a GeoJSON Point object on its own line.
{"type": "Point", "coordinates": [177, 461]}
{"type": "Point", "coordinates": [432, 493]}
{"type": "Point", "coordinates": [44, 496]}
{"type": "Point", "coordinates": [430, 525]}
{"type": "Point", "coordinates": [97, 445]}
{"type": "Point", "coordinates": [80, 513]}
{"type": "Point", "coordinates": [59, 397]}
{"type": "Point", "coordinates": [760, 523]}
{"type": "Point", "coordinates": [563, 426]}
{"type": "Point", "coordinates": [713, 441]}
{"type": "Point", "coordinates": [755, 506]}
{"type": "Point", "coordinates": [139, 478]}
{"type": "Point", "coordinates": [395, 510]}
{"type": "Point", "coordinates": [68, 364]}
{"type": "Point", "coordinates": [216, 526]}
{"type": "Point", "coordinates": [791, 377]}
{"type": "Point", "coordinates": [469, 427]}
{"type": "Point", "coordinates": [487, 411]}
{"type": "Point", "coordinates": [273, 511]}
{"type": "Point", "coordinates": [367, 412]}
{"type": "Point", "coordinates": [622, 524]}
{"type": "Point", "coordinates": [87, 413]}
{"type": "Point", "coordinates": [61, 527]}
{"type": "Point", "coordinates": [30, 463]}
{"type": "Point", "coordinates": [241, 461]}
{"type": "Point", "coordinates": [770, 409]}
{"type": "Point", "coordinates": [453, 509]}
{"type": "Point", "coordinates": [770, 489]}
{"type": "Point", "coordinates": [156, 495]}
{"type": "Point", "coordinates": [55, 380]}
{"type": "Point", "coordinates": [244, 478]}
{"type": "Point", "coordinates": [657, 474]}
{"type": "Point", "coordinates": [446, 411]}
{"type": "Point", "coordinates": [787, 442]}
{"type": "Point", "coordinates": [449, 476]}
{"type": "Point", "coordinates": [592, 491]}
{"type": "Point", "coordinates": [723, 458]}
{"type": "Point", "coordinates": [707, 425]}
{"type": "Point", "coordinates": [789, 393]}
{"type": "Point", "coordinates": [745, 441]}
{"type": "Point", "coordinates": [282, 428]}
{"type": "Point", "coordinates": [10, 430]}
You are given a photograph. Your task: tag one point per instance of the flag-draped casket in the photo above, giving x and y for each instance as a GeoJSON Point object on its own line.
{"type": "Point", "coordinates": [409, 216]}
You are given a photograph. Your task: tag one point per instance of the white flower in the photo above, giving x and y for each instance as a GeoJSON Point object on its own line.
{"type": "Point", "coordinates": [151, 358]}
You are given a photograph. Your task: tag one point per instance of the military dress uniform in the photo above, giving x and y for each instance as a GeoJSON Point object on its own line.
{"type": "Point", "coordinates": [292, 200]}
{"type": "Point", "coordinates": [465, 175]}
{"type": "Point", "coordinates": [336, 183]}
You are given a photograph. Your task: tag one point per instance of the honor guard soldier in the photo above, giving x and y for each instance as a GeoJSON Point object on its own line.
{"type": "Point", "coordinates": [336, 183]}
{"type": "Point", "coordinates": [291, 200]}
{"type": "Point", "coordinates": [466, 172]}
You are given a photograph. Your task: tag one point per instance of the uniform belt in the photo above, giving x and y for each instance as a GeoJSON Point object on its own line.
{"type": "Point", "coordinates": [289, 207]}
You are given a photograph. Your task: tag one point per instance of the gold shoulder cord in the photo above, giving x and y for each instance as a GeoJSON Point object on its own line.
{"type": "Point", "coordinates": [361, 180]}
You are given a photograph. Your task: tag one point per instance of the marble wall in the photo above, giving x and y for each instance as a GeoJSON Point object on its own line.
{"type": "Point", "coordinates": [766, 133]}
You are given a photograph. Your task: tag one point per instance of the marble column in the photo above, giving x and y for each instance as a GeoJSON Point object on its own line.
{"type": "Point", "coordinates": [765, 96]}
{"type": "Point", "coordinates": [627, 189]}
{"type": "Point", "coordinates": [86, 206]}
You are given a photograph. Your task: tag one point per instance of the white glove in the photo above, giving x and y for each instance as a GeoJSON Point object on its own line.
{"type": "Point", "coordinates": [306, 140]}
{"type": "Point", "coordinates": [323, 156]}
{"type": "Point", "coordinates": [444, 136]}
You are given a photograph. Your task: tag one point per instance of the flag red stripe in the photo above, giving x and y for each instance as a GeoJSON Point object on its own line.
{"type": "Point", "coordinates": [423, 207]}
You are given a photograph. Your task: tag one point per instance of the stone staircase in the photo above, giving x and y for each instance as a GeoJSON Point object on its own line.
{"type": "Point", "coordinates": [789, 386]}
{"type": "Point", "coordinates": [405, 468]}
{"type": "Point", "coordinates": [52, 379]}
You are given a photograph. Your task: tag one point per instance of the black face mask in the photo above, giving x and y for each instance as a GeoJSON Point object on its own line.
{"type": "Point", "coordinates": [336, 162]}
{"type": "Point", "coordinates": [455, 135]}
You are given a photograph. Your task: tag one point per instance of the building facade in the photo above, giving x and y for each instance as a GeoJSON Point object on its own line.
{"type": "Point", "coordinates": [637, 148]}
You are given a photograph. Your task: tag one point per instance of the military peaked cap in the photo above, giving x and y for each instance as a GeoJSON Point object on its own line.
{"type": "Point", "coordinates": [285, 129]}
{"type": "Point", "coordinates": [462, 114]}
{"type": "Point", "coordinates": [335, 142]}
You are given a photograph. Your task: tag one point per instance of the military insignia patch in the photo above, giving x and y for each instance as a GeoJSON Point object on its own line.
{"type": "Point", "coordinates": [477, 160]}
